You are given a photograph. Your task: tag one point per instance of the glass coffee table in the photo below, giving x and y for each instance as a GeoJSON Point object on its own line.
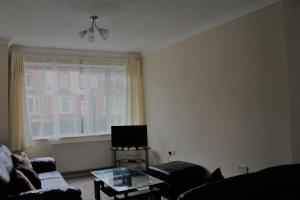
{"type": "Point", "coordinates": [125, 183]}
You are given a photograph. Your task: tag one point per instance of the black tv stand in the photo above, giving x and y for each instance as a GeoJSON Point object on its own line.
{"type": "Point", "coordinates": [117, 162]}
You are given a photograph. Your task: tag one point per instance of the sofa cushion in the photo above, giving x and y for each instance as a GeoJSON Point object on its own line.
{"type": "Point", "coordinates": [215, 176]}
{"type": "Point", "coordinates": [21, 159]}
{"type": "Point", "coordinates": [30, 174]}
{"type": "Point", "coordinates": [52, 180]}
{"type": "Point", "coordinates": [20, 183]}
{"type": "Point", "coordinates": [22, 163]}
{"type": "Point", "coordinates": [48, 175]}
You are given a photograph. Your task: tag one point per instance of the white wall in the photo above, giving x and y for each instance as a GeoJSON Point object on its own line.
{"type": "Point", "coordinates": [4, 126]}
{"type": "Point", "coordinates": [82, 155]}
{"type": "Point", "coordinates": [219, 98]}
{"type": "Point", "coordinates": [75, 154]}
{"type": "Point", "coordinates": [291, 11]}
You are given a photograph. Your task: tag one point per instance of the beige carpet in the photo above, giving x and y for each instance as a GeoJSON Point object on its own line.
{"type": "Point", "coordinates": [86, 185]}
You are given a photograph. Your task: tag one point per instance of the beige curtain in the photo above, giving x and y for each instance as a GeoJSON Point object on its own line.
{"type": "Point", "coordinates": [136, 114]}
{"type": "Point", "coordinates": [16, 102]}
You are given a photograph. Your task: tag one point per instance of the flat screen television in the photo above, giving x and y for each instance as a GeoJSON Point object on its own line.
{"type": "Point", "coordinates": [129, 136]}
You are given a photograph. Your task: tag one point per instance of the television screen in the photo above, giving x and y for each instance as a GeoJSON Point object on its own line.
{"type": "Point", "coordinates": [129, 136]}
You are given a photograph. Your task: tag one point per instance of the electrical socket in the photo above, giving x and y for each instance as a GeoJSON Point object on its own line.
{"type": "Point", "coordinates": [243, 169]}
{"type": "Point", "coordinates": [171, 153]}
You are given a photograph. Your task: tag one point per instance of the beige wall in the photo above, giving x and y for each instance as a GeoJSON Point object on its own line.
{"type": "Point", "coordinates": [4, 137]}
{"type": "Point", "coordinates": [291, 11]}
{"type": "Point", "coordinates": [219, 98]}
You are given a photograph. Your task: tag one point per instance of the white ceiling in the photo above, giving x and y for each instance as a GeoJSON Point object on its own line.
{"type": "Point", "coordinates": [136, 25]}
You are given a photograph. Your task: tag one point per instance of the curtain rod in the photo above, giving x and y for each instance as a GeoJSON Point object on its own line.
{"type": "Point", "coordinates": [71, 52]}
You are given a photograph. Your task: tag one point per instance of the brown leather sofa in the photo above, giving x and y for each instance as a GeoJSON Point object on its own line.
{"type": "Point", "coordinates": [187, 181]}
{"type": "Point", "coordinates": [52, 184]}
{"type": "Point", "coordinates": [274, 183]}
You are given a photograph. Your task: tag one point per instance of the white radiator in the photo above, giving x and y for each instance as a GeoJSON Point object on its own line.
{"type": "Point", "coordinates": [79, 156]}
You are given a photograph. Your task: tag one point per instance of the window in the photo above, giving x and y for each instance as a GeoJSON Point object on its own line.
{"type": "Point", "coordinates": [65, 105]}
{"type": "Point", "coordinates": [83, 81]}
{"type": "Point", "coordinates": [28, 79]}
{"type": "Point", "coordinates": [33, 105]}
{"type": "Point", "coordinates": [90, 81]}
{"type": "Point", "coordinates": [63, 78]}
{"type": "Point", "coordinates": [68, 101]}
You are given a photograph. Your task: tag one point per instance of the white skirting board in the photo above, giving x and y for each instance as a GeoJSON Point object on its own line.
{"type": "Point", "coordinates": [80, 156]}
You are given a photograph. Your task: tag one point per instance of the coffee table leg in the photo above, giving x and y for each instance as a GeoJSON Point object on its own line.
{"type": "Point", "coordinates": [154, 195]}
{"type": "Point", "coordinates": [157, 196]}
{"type": "Point", "coordinates": [97, 189]}
{"type": "Point", "coordinates": [125, 195]}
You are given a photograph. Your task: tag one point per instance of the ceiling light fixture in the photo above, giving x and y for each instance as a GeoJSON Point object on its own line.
{"type": "Point", "coordinates": [94, 32]}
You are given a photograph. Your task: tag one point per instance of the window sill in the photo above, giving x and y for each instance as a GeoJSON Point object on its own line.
{"type": "Point", "coordinates": [77, 139]}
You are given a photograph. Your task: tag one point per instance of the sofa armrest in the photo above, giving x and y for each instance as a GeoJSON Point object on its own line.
{"type": "Point", "coordinates": [44, 164]}
{"type": "Point", "coordinates": [49, 194]}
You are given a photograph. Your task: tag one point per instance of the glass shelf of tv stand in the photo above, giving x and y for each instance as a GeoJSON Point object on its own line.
{"type": "Point", "coordinates": [129, 148]}
{"type": "Point", "coordinates": [119, 161]}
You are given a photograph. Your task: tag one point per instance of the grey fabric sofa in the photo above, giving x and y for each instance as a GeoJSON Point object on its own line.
{"type": "Point", "coordinates": [53, 185]}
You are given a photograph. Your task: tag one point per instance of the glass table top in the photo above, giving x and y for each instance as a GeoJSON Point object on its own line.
{"type": "Point", "coordinates": [123, 179]}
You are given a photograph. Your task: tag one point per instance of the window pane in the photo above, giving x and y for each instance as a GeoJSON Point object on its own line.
{"type": "Point", "coordinates": [28, 78]}
{"type": "Point", "coordinates": [66, 101]}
